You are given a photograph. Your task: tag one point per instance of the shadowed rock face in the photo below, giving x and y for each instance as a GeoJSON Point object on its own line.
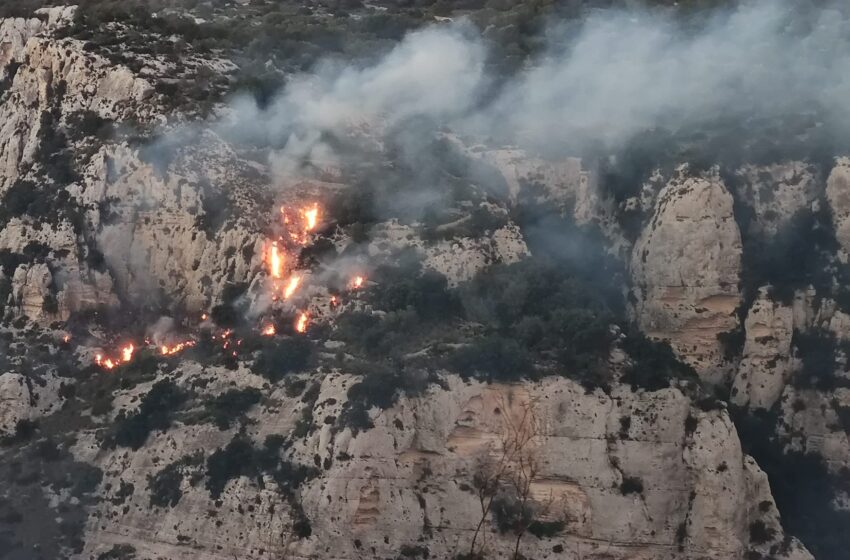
{"type": "Point", "coordinates": [685, 267]}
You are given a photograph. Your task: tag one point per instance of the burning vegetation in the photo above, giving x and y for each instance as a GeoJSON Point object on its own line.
{"type": "Point", "coordinates": [293, 233]}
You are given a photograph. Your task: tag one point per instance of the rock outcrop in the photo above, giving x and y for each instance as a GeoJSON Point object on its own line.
{"type": "Point", "coordinates": [630, 475]}
{"type": "Point", "coordinates": [777, 192]}
{"type": "Point", "coordinates": [766, 364]}
{"type": "Point", "coordinates": [838, 195]}
{"type": "Point", "coordinates": [24, 398]}
{"type": "Point", "coordinates": [686, 266]}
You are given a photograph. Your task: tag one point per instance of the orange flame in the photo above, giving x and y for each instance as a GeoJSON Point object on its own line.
{"type": "Point", "coordinates": [356, 282]}
{"type": "Point", "coordinates": [311, 216]}
{"type": "Point", "coordinates": [301, 323]}
{"type": "Point", "coordinates": [66, 339]}
{"type": "Point", "coordinates": [204, 317]}
{"type": "Point", "coordinates": [166, 350]}
{"type": "Point", "coordinates": [268, 330]}
{"type": "Point", "coordinates": [106, 363]}
{"type": "Point", "coordinates": [127, 353]}
{"type": "Point", "coordinates": [275, 260]}
{"type": "Point", "coordinates": [291, 287]}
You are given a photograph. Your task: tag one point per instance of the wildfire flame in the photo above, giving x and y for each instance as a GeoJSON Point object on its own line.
{"type": "Point", "coordinates": [66, 339]}
{"type": "Point", "coordinates": [275, 260]}
{"type": "Point", "coordinates": [104, 362]}
{"type": "Point", "coordinates": [166, 350]}
{"type": "Point", "coordinates": [269, 330]}
{"type": "Point", "coordinates": [356, 282]}
{"type": "Point", "coordinates": [301, 323]}
{"type": "Point", "coordinates": [311, 216]}
{"type": "Point", "coordinates": [127, 353]}
{"type": "Point", "coordinates": [291, 287]}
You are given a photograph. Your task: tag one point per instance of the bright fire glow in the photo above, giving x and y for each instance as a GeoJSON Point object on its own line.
{"type": "Point", "coordinates": [291, 287]}
{"type": "Point", "coordinates": [356, 282]}
{"type": "Point", "coordinates": [127, 353]}
{"type": "Point", "coordinates": [301, 323]}
{"type": "Point", "coordinates": [166, 350]}
{"type": "Point", "coordinates": [66, 339]}
{"type": "Point", "coordinates": [106, 363]}
{"type": "Point", "coordinates": [275, 260]}
{"type": "Point", "coordinates": [311, 216]}
{"type": "Point", "coordinates": [269, 330]}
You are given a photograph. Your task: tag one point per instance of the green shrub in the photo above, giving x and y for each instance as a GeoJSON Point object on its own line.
{"type": "Point", "coordinates": [164, 486]}
{"type": "Point", "coordinates": [492, 358]}
{"type": "Point", "coordinates": [817, 350]}
{"type": "Point", "coordinates": [155, 413]}
{"type": "Point", "coordinates": [655, 364]}
{"type": "Point", "coordinates": [761, 533]}
{"type": "Point", "coordinates": [241, 458]}
{"type": "Point", "coordinates": [546, 529]}
{"type": "Point", "coordinates": [283, 356]}
{"type": "Point", "coordinates": [511, 514]}
{"type": "Point", "coordinates": [119, 552]}
{"type": "Point", "coordinates": [631, 485]}
{"type": "Point", "coordinates": [229, 406]}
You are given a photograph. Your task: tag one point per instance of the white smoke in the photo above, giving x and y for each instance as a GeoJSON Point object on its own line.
{"type": "Point", "coordinates": [617, 74]}
{"type": "Point", "coordinates": [436, 72]}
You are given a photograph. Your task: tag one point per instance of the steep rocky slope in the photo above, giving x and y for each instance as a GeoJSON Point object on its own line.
{"type": "Point", "coordinates": [520, 361]}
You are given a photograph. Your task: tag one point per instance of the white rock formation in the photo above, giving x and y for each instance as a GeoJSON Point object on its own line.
{"type": "Point", "coordinates": [152, 235]}
{"type": "Point", "coordinates": [685, 268]}
{"type": "Point", "coordinates": [766, 362]}
{"type": "Point", "coordinates": [408, 480]}
{"type": "Point", "coordinates": [838, 195]}
{"type": "Point", "coordinates": [25, 398]}
{"type": "Point", "coordinates": [457, 259]}
{"type": "Point", "coordinates": [89, 82]}
{"type": "Point", "coordinates": [812, 423]}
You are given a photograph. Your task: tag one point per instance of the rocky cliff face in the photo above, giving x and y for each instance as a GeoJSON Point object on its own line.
{"type": "Point", "coordinates": [633, 475]}
{"type": "Point", "coordinates": [376, 438]}
{"type": "Point", "coordinates": [686, 266]}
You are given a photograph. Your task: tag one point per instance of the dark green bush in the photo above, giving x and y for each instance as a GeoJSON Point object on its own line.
{"type": "Point", "coordinates": [283, 356]}
{"type": "Point", "coordinates": [511, 514]}
{"type": "Point", "coordinates": [493, 358]}
{"type": "Point", "coordinates": [224, 409]}
{"type": "Point", "coordinates": [817, 350]}
{"type": "Point", "coordinates": [546, 529]}
{"type": "Point", "coordinates": [164, 485]}
{"type": "Point", "coordinates": [655, 364]}
{"type": "Point", "coordinates": [119, 552]}
{"type": "Point", "coordinates": [155, 413]}
{"type": "Point", "coordinates": [631, 485]}
{"type": "Point", "coordinates": [241, 458]}
{"type": "Point", "coordinates": [761, 533]}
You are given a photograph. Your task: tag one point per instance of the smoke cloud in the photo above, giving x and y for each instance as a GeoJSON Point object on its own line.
{"type": "Point", "coordinates": [600, 83]}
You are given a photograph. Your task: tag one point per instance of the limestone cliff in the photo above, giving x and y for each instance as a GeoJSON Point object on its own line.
{"type": "Point", "coordinates": [399, 416]}
{"type": "Point", "coordinates": [686, 266]}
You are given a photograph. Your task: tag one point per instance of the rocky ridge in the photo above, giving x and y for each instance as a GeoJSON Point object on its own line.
{"type": "Point", "coordinates": [627, 474]}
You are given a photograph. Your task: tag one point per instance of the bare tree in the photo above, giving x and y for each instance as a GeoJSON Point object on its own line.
{"type": "Point", "coordinates": [514, 467]}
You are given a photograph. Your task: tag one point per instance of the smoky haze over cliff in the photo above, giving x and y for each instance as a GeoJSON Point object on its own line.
{"type": "Point", "coordinates": [598, 83]}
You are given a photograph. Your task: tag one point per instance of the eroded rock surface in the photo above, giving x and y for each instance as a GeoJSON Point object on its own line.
{"type": "Point", "coordinates": [766, 363]}
{"type": "Point", "coordinates": [633, 475]}
{"type": "Point", "coordinates": [686, 266]}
